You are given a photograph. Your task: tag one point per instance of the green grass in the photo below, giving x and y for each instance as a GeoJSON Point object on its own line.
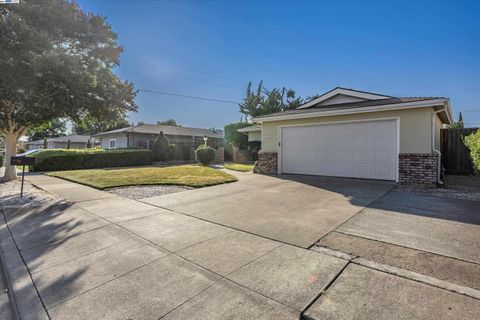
{"type": "Point", "coordinates": [186, 175]}
{"type": "Point", "coordinates": [239, 167]}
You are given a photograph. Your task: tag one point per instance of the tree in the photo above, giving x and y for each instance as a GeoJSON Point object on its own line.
{"type": "Point", "coordinates": [69, 144]}
{"type": "Point", "coordinates": [56, 61]}
{"type": "Point", "coordinates": [459, 123]}
{"type": "Point", "coordinates": [169, 122]}
{"type": "Point", "coordinates": [235, 138]}
{"type": "Point", "coordinates": [50, 129]}
{"type": "Point", "coordinates": [92, 126]}
{"type": "Point", "coordinates": [264, 101]}
{"type": "Point", "coordinates": [45, 143]}
{"type": "Point", "coordinates": [161, 150]}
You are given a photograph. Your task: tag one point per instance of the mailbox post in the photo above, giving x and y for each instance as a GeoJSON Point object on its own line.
{"type": "Point", "coordinates": [22, 161]}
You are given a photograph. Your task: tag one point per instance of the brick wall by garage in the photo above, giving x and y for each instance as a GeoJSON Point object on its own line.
{"type": "Point", "coordinates": [418, 169]}
{"type": "Point", "coordinates": [267, 163]}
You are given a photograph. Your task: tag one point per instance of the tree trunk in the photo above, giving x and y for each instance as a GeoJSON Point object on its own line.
{"type": "Point", "coordinates": [10, 151]}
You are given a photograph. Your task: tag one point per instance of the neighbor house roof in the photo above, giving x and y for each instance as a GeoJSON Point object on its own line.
{"type": "Point", "coordinates": [74, 138]}
{"type": "Point", "coordinates": [250, 129]}
{"type": "Point", "coordinates": [168, 130]}
{"type": "Point", "coordinates": [370, 102]}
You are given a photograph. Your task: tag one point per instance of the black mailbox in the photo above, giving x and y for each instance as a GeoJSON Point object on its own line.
{"type": "Point", "coordinates": [22, 161]}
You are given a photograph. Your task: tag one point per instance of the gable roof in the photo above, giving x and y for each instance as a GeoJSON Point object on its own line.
{"type": "Point", "coordinates": [361, 106]}
{"type": "Point", "coordinates": [339, 91]}
{"type": "Point", "coordinates": [168, 130]}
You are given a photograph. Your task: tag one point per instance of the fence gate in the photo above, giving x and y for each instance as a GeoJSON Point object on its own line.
{"type": "Point", "coordinates": [455, 155]}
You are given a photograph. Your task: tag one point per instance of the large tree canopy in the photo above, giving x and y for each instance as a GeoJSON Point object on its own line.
{"type": "Point", "coordinates": [56, 62]}
{"type": "Point", "coordinates": [263, 101]}
{"type": "Point", "coordinates": [51, 129]}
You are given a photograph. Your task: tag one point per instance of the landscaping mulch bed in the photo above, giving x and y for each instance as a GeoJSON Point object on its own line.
{"type": "Point", "coordinates": [459, 187]}
{"type": "Point", "coordinates": [141, 192]}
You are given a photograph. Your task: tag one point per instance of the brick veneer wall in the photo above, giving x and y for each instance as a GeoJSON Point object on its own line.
{"type": "Point", "coordinates": [267, 163]}
{"type": "Point", "coordinates": [418, 169]}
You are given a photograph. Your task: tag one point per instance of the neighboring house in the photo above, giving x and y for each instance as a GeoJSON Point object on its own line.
{"type": "Point", "coordinates": [144, 135]}
{"type": "Point", "coordinates": [254, 133]}
{"type": "Point", "coordinates": [351, 133]}
{"type": "Point", "coordinates": [76, 142]}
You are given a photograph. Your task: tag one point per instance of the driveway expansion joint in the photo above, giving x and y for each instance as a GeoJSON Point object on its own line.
{"type": "Point", "coordinates": [418, 277]}
{"type": "Point", "coordinates": [322, 291]}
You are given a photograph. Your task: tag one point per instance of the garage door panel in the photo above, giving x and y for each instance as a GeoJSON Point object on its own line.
{"type": "Point", "coordinates": [360, 150]}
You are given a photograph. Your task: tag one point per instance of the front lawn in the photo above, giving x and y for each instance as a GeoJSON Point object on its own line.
{"type": "Point", "coordinates": [239, 167]}
{"type": "Point", "coordinates": [191, 176]}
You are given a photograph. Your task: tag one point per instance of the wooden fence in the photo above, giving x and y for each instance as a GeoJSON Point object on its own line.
{"type": "Point", "coordinates": [455, 155]}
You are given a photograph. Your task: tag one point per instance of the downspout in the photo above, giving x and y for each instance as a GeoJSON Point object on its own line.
{"type": "Point", "coordinates": [439, 164]}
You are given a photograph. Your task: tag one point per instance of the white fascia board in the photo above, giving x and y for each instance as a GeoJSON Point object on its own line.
{"type": "Point", "coordinates": [385, 107]}
{"type": "Point", "coordinates": [351, 93]}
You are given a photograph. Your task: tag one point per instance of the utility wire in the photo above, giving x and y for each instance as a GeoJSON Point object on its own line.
{"type": "Point", "coordinates": [187, 96]}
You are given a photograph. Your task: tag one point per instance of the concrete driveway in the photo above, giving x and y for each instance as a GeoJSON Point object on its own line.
{"type": "Point", "coordinates": [297, 210]}
{"type": "Point", "coordinates": [261, 248]}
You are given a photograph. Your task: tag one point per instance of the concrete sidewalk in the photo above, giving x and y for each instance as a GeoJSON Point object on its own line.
{"type": "Point", "coordinates": [101, 256]}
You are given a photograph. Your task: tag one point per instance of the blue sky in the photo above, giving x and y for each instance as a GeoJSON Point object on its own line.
{"type": "Point", "coordinates": [213, 48]}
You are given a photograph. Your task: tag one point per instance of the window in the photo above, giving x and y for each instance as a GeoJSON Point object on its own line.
{"type": "Point", "coordinates": [112, 143]}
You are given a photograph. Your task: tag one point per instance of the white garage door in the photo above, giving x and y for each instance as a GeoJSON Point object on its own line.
{"type": "Point", "coordinates": [357, 149]}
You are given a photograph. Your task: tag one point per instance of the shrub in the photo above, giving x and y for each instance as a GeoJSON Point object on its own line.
{"type": "Point", "coordinates": [472, 141]}
{"type": "Point", "coordinates": [237, 139]}
{"type": "Point", "coordinates": [253, 149]}
{"type": "Point", "coordinates": [205, 154]}
{"type": "Point", "coordinates": [161, 149]}
{"type": "Point", "coordinates": [77, 159]}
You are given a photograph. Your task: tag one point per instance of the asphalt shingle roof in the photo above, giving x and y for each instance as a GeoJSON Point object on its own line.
{"type": "Point", "coordinates": [168, 130]}
{"type": "Point", "coordinates": [350, 105]}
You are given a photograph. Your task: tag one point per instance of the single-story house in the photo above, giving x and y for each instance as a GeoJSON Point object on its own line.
{"type": "Point", "coordinates": [76, 142]}
{"type": "Point", "coordinates": [144, 135]}
{"type": "Point", "coordinates": [351, 133]}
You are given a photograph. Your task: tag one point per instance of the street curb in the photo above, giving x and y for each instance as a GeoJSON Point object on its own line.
{"type": "Point", "coordinates": [23, 296]}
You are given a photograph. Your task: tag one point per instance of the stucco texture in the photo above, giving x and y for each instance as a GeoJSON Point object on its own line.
{"type": "Point", "coordinates": [415, 128]}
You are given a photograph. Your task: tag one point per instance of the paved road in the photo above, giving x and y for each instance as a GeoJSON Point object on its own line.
{"type": "Point", "coordinates": [262, 248]}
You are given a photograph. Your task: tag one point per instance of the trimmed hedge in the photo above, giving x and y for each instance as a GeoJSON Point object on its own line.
{"type": "Point", "coordinates": [77, 159]}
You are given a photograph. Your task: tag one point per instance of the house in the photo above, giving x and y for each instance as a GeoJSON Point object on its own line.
{"type": "Point", "coordinates": [351, 133]}
{"type": "Point", "coordinates": [76, 142]}
{"type": "Point", "coordinates": [254, 133]}
{"type": "Point", "coordinates": [144, 135]}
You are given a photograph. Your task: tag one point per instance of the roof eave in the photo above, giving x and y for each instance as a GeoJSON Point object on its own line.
{"type": "Point", "coordinates": [385, 107]}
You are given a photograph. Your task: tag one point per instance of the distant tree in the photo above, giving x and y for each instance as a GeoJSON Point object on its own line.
{"type": "Point", "coordinates": [235, 138]}
{"type": "Point", "coordinates": [69, 144]}
{"type": "Point", "coordinates": [161, 150]}
{"type": "Point", "coordinates": [56, 61]}
{"type": "Point", "coordinates": [92, 126]}
{"type": "Point", "coordinates": [459, 123]}
{"type": "Point", "coordinates": [45, 143]}
{"type": "Point", "coordinates": [50, 129]}
{"type": "Point", "coordinates": [263, 101]}
{"type": "Point", "coordinates": [169, 122]}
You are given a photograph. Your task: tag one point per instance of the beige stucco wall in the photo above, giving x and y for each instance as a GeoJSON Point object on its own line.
{"type": "Point", "coordinates": [415, 128]}
{"type": "Point", "coordinates": [255, 136]}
